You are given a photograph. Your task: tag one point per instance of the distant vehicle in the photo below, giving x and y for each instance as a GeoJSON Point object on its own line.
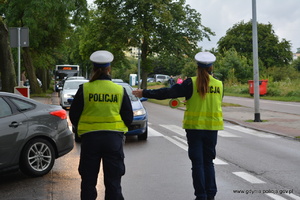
{"type": "Point", "coordinates": [32, 135]}
{"type": "Point", "coordinates": [117, 80]}
{"type": "Point", "coordinates": [69, 90]}
{"type": "Point", "coordinates": [161, 78]}
{"type": "Point", "coordinates": [139, 124]}
{"type": "Point", "coordinates": [76, 78]}
{"type": "Point", "coordinates": [150, 80]}
{"type": "Point", "coordinates": [62, 72]}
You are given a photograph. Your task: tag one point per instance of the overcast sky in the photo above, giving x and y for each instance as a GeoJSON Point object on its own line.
{"type": "Point", "coordinates": [220, 15]}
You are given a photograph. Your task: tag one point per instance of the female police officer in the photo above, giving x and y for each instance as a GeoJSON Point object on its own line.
{"type": "Point", "coordinates": [101, 111]}
{"type": "Point", "coordinates": [202, 120]}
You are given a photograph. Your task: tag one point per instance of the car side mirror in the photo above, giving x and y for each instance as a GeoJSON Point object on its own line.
{"type": "Point", "coordinates": [143, 99]}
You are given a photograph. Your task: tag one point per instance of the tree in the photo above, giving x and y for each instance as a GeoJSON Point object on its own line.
{"type": "Point", "coordinates": [234, 66]}
{"type": "Point", "coordinates": [49, 23]}
{"type": "Point", "coordinates": [8, 74]}
{"type": "Point", "coordinates": [296, 64]}
{"type": "Point", "coordinates": [271, 51]}
{"type": "Point", "coordinates": [155, 26]}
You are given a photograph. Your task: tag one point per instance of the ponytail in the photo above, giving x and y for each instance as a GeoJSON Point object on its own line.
{"type": "Point", "coordinates": [202, 81]}
{"type": "Point", "coordinates": [99, 71]}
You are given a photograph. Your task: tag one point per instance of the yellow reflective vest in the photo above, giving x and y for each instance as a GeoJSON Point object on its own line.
{"type": "Point", "coordinates": [102, 104]}
{"type": "Point", "coordinates": [205, 114]}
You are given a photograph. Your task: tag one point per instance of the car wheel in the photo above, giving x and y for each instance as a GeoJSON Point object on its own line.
{"type": "Point", "coordinates": [37, 157]}
{"type": "Point", "coordinates": [143, 136]}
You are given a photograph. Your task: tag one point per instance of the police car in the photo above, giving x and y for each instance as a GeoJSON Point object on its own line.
{"type": "Point", "coordinates": [139, 125]}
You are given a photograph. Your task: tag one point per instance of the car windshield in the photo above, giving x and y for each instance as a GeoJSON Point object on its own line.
{"type": "Point", "coordinates": [129, 92]}
{"type": "Point", "coordinates": [72, 84]}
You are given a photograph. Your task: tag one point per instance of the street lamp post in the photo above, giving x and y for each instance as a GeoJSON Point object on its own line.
{"type": "Point", "coordinates": [139, 67]}
{"type": "Point", "coordinates": [255, 63]}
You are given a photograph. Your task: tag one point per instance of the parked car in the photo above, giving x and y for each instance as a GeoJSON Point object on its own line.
{"type": "Point", "coordinates": [69, 90]}
{"type": "Point", "coordinates": [32, 135]}
{"type": "Point", "coordinates": [150, 80]}
{"type": "Point", "coordinates": [139, 125]}
{"type": "Point", "coordinates": [161, 78]}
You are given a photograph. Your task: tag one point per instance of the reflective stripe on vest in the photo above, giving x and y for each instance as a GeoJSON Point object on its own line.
{"type": "Point", "coordinates": [205, 114]}
{"type": "Point", "coordinates": [102, 104]}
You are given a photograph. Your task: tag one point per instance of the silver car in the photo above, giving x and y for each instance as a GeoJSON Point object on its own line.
{"type": "Point", "coordinates": [32, 135]}
{"type": "Point", "coordinates": [69, 90]}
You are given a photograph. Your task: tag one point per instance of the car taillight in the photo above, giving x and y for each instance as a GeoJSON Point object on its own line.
{"type": "Point", "coordinates": [59, 113]}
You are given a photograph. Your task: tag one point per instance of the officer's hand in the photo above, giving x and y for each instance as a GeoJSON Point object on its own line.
{"type": "Point", "coordinates": [138, 93]}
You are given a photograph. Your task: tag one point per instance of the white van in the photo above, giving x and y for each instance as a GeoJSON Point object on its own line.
{"type": "Point", "coordinates": [161, 78]}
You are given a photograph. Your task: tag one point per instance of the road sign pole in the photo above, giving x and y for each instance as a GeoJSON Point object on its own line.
{"type": "Point", "coordinates": [19, 56]}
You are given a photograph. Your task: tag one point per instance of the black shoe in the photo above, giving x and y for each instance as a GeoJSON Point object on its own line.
{"type": "Point", "coordinates": [210, 198]}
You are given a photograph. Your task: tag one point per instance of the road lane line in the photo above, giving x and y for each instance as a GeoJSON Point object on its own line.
{"type": "Point", "coordinates": [226, 134]}
{"type": "Point", "coordinates": [180, 139]}
{"type": "Point", "coordinates": [275, 196]}
{"type": "Point", "coordinates": [252, 132]}
{"type": "Point", "coordinates": [293, 196]}
{"type": "Point", "coordinates": [176, 129]}
{"type": "Point", "coordinates": [153, 132]}
{"type": "Point", "coordinates": [184, 147]}
{"type": "Point", "coordinates": [216, 161]}
{"type": "Point", "coordinates": [248, 177]}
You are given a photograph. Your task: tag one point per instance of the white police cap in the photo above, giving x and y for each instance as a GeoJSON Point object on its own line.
{"type": "Point", "coordinates": [102, 58]}
{"type": "Point", "coordinates": [205, 59]}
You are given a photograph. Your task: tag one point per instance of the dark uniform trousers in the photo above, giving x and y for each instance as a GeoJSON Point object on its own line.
{"type": "Point", "coordinates": [108, 147]}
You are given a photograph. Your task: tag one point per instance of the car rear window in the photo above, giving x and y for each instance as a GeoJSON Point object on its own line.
{"type": "Point", "coordinates": [5, 109]}
{"type": "Point", "coordinates": [22, 105]}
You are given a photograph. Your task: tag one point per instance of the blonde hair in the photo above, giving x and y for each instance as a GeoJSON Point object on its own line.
{"type": "Point", "coordinates": [202, 81]}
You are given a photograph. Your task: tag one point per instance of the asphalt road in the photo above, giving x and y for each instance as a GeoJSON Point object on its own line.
{"type": "Point", "coordinates": [250, 165]}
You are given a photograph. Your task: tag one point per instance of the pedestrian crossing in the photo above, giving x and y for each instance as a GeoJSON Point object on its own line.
{"type": "Point", "coordinates": [230, 131]}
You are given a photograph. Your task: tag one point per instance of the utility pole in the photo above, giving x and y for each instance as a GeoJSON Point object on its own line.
{"type": "Point", "coordinates": [255, 63]}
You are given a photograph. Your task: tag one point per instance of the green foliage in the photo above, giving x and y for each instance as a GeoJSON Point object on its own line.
{"type": "Point", "coordinates": [285, 90]}
{"type": "Point", "coordinates": [280, 74]}
{"type": "Point", "coordinates": [190, 69]}
{"type": "Point", "coordinates": [271, 51]}
{"type": "Point", "coordinates": [235, 88]}
{"type": "Point", "coordinates": [296, 64]}
{"type": "Point", "coordinates": [232, 67]}
{"type": "Point", "coordinates": [168, 28]}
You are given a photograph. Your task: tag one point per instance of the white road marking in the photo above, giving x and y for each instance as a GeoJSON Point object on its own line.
{"type": "Point", "coordinates": [184, 147]}
{"type": "Point", "coordinates": [174, 128]}
{"type": "Point", "coordinates": [152, 132]}
{"type": "Point", "coordinates": [295, 197]}
{"type": "Point", "coordinates": [275, 196]}
{"type": "Point", "coordinates": [180, 139]}
{"type": "Point", "coordinates": [216, 161]}
{"type": "Point", "coordinates": [252, 132]}
{"type": "Point", "coordinates": [248, 177]}
{"type": "Point", "coordinates": [223, 133]}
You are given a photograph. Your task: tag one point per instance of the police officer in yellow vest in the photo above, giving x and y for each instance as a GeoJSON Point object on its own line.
{"type": "Point", "coordinates": [101, 111]}
{"type": "Point", "coordinates": [202, 120]}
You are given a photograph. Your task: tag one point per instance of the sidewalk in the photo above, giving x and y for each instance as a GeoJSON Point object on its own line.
{"type": "Point", "coordinates": [278, 123]}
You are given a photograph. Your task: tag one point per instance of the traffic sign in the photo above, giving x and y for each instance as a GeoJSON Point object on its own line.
{"type": "Point", "coordinates": [174, 103]}
{"type": "Point", "coordinates": [24, 91]}
{"type": "Point", "coordinates": [19, 36]}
